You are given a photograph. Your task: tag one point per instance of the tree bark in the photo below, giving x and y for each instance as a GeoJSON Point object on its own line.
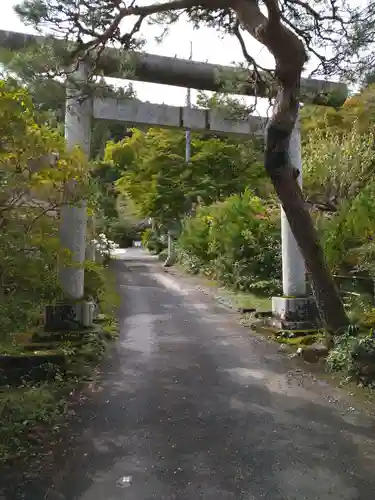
{"type": "Point", "coordinates": [290, 57]}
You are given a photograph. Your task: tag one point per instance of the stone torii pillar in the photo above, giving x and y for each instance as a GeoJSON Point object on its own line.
{"type": "Point", "coordinates": [73, 217]}
{"type": "Point", "coordinates": [293, 264]}
{"type": "Point", "coordinates": [74, 312]}
{"type": "Point", "coordinates": [294, 310]}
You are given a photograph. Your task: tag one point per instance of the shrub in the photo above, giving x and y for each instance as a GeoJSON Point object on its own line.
{"type": "Point", "coordinates": [340, 358]}
{"type": "Point", "coordinates": [354, 354]}
{"type": "Point", "coordinates": [347, 236]}
{"type": "Point", "coordinates": [122, 233]}
{"type": "Point", "coordinates": [95, 279]}
{"type": "Point", "coordinates": [342, 164]}
{"type": "Point", "coordinates": [34, 168]}
{"type": "Point", "coordinates": [193, 244]}
{"type": "Point", "coordinates": [104, 246]}
{"type": "Point", "coordinates": [335, 164]}
{"type": "Point", "coordinates": [152, 241]}
{"type": "Point", "coordinates": [237, 242]}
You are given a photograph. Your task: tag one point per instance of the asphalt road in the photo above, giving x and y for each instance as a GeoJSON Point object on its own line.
{"type": "Point", "coordinates": [192, 405]}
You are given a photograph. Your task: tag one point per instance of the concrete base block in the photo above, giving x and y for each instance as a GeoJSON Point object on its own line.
{"type": "Point", "coordinates": [297, 313]}
{"type": "Point", "coordinates": [298, 326]}
{"type": "Point", "coordinates": [67, 317]}
{"type": "Point", "coordinates": [85, 313]}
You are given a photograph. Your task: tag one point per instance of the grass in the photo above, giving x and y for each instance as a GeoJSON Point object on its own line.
{"type": "Point", "coordinates": [27, 413]}
{"type": "Point", "coordinates": [236, 299]}
{"type": "Point", "coordinates": [249, 300]}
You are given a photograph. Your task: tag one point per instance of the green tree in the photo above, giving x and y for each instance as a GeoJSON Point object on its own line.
{"type": "Point", "coordinates": [157, 178]}
{"type": "Point", "coordinates": [343, 166]}
{"type": "Point", "coordinates": [236, 241]}
{"type": "Point", "coordinates": [289, 30]}
{"type": "Point", "coordinates": [338, 165]}
{"type": "Point", "coordinates": [37, 70]}
{"type": "Point", "coordinates": [34, 168]}
{"type": "Point", "coordinates": [358, 111]}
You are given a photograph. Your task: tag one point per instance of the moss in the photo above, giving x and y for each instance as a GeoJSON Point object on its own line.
{"type": "Point", "coordinates": [298, 338]}
{"type": "Point", "coordinates": [26, 406]}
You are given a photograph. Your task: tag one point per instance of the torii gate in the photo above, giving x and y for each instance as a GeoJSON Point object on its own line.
{"type": "Point", "coordinates": [178, 72]}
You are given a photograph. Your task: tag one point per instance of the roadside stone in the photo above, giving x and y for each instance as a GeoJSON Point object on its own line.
{"type": "Point", "coordinates": [314, 352]}
{"type": "Point", "coordinates": [246, 310]}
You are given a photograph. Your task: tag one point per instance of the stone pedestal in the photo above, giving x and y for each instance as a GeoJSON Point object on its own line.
{"type": "Point", "coordinates": [68, 317]}
{"type": "Point", "coordinates": [294, 313]}
{"type": "Point", "coordinates": [171, 254]}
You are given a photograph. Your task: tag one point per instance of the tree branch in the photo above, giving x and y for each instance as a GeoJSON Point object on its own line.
{"type": "Point", "coordinates": [142, 11]}
{"type": "Point", "coordinates": [258, 76]}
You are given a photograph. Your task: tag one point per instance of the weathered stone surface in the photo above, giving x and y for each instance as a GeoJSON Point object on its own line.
{"type": "Point", "coordinates": [294, 308]}
{"type": "Point", "coordinates": [314, 352]}
{"type": "Point", "coordinates": [280, 324]}
{"type": "Point", "coordinates": [163, 115]}
{"type": "Point", "coordinates": [61, 317]}
{"type": "Point", "coordinates": [68, 317]}
{"type": "Point", "coordinates": [180, 72]}
{"type": "Point", "coordinates": [246, 310]}
{"type": "Point", "coordinates": [263, 314]}
{"type": "Point", "coordinates": [364, 367]}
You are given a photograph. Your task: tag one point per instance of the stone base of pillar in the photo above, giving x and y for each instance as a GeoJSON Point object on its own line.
{"type": "Point", "coordinates": [69, 316]}
{"type": "Point", "coordinates": [170, 261]}
{"type": "Point", "coordinates": [294, 313]}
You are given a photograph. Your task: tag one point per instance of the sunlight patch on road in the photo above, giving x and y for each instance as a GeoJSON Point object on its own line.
{"type": "Point", "coordinates": [168, 283]}
{"type": "Point", "coordinates": [118, 253]}
{"type": "Point", "coordinates": [274, 382]}
{"type": "Point", "coordinates": [140, 334]}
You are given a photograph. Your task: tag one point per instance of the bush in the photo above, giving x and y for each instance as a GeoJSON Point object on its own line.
{"type": "Point", "coordinates": [340, 358]}
{"type": "Point", "coordinates": [152, 241]}
{"type": "Point", "coordinates": [341, 164]}
{"type": "Point", "coordinates": [237, 242]}
{"type": "Point", "coordinates": [34, 169]}
{"type": "Point", "coordinates": [122, 233]}
{"type": "Point", "coordinates": [354, 354]}
{"type": "Point", "coordinates": [335, 164]}
{"type": "Point", "coordinates": [347, 236]}
{"type": "Point", "coordinates": [194, 240]}
{"type": "Point", "coordinates": [95, 279]}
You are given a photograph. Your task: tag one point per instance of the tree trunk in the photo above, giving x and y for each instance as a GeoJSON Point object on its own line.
{"type": "Point", "coordinates": [283, 178]}
{"type": "Point", "coordinates": [290, 57]}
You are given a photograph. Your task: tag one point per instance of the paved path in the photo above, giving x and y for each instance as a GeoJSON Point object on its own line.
{"type": "Point", "coordinates": [192, 406]}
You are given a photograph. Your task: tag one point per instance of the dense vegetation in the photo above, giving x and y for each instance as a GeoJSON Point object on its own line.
{"type": "Point", "coordinates": [338, 36]}
{"type": "Point", "coordinates": [223, 194]}
{"type": "Point", "coordinates": [221, 206]}
{"type": "Point", "coordinates": [236, 241]}
{"type": "Point", "coordinates": [224, 213]}
{"type": "Point", "coordinates": [34, 168]}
